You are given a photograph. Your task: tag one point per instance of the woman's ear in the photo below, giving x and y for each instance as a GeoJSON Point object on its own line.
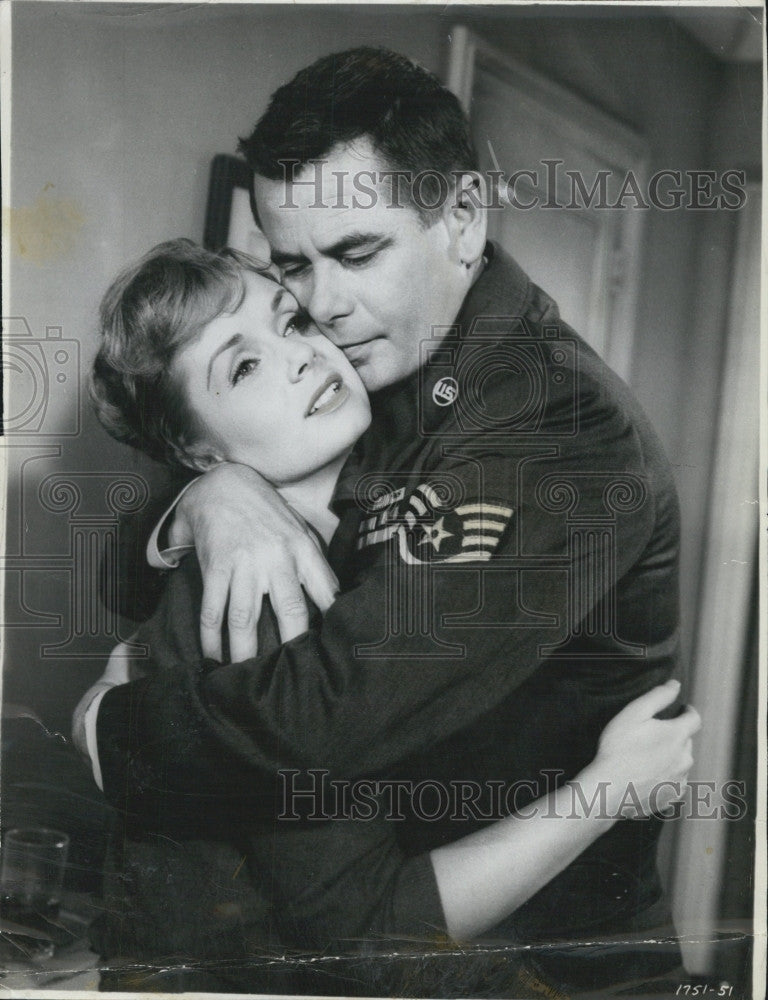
{"type": "Point", "coordinates": [468, 217]}
{"type": "Point", "coordinates": [199, 458]}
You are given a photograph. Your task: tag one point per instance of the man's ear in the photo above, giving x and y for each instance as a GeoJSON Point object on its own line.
{"type": "Point", "coordinates": [468, 217]}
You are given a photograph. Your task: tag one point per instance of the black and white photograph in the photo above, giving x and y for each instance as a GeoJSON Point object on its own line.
{"type": "Point", "coordinates": [383, 605]}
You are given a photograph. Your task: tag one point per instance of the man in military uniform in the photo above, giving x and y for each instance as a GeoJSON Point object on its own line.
{"type": "Point", "coordinates": [507, 549]}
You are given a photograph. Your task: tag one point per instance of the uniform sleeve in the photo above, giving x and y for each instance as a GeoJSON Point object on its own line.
{"type": "Point", "coordinates": [343, 880]}
{"type": "Point", "coordinates": [136, 592]}
{"type": "Point", "coordinates": [547, 536]}
{"type": "Point", "coordinates": [331, 880]}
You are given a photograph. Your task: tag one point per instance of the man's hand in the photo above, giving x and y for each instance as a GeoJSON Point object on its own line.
{"type": "Point", "coordinates": [249, 543]}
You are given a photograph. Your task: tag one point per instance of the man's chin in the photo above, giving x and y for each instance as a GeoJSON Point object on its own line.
{"type": "Point", "coordinates": [378, 373]}
{"type": "Point", "coordinates": [375, 380]}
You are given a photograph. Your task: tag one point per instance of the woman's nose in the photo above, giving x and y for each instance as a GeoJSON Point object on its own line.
{"type": "Point", "coordinates": [301, 357]}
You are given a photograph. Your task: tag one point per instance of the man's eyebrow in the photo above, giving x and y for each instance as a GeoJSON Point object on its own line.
{"type": "Point", "coordinates": [233, 341]}
{"type": "Point", "coordinates": [278, 257]}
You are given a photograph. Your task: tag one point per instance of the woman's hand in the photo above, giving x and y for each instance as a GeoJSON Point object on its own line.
{"type": "Point", "coordinates": [644, 760]}
{"type": "Point", "coordinates": [249, 543]}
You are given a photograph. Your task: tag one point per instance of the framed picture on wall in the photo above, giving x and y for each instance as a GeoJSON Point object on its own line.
{"type": "Point", "coordinates": [228, 216]}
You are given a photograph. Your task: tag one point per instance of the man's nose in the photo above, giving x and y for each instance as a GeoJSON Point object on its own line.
{"type": "Point", "coordinates": [329, 302]}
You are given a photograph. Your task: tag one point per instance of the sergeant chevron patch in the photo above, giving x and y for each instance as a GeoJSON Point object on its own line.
{"type": "Point", "coordinates": [428, 531]}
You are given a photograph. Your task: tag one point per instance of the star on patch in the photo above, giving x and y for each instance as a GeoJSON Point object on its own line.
{"type": "Point", "coordinates": [433, 531]}
{"type": "Point", "coordinates": [434, 534]}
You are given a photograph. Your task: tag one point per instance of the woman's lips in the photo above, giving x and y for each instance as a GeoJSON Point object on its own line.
{"type": "Point", "coordinates": [332, 394]}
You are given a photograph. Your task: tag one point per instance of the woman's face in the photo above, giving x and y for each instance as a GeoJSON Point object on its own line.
{"type": "Point", "coordinates": [268, 390]}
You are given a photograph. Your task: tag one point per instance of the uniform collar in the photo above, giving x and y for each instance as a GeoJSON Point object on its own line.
{"type": "Point", "coordinates": [501, 294]}
{"type": "Point", "coordinates": [503, 288]}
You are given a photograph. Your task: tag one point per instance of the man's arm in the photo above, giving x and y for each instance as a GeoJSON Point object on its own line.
{"type": "Point", "coordinates": [361, 692]}
{"type": "Point", "coordinates": [250, 517]}
{"type": "Point", "coordinates": [364, 886]}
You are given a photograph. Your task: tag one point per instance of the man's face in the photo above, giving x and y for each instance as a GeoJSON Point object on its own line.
{"type": "Point", "coordinates": [374, 279]}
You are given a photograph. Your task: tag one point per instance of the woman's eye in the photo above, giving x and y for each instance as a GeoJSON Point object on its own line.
{"type": "Point", "coordinates": [244, 368]}
{"type": "Point", "coordinates": [298, 323]}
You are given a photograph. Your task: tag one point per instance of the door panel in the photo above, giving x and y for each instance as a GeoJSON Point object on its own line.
{"type": "Point", "coordinates": [522, 122]}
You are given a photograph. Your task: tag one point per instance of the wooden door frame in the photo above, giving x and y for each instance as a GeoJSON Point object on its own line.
{"type": "Point", "coordinates": [583, 124]}
{"type": "Point", "coordinates": [730, 544]}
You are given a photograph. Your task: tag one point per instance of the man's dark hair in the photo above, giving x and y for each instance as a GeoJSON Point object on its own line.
{"type": "Point", "coordinates": [413, 122]}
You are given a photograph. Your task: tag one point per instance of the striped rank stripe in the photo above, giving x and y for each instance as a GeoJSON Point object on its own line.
{"type": "Point", "coordinates": [430, 531]}
{"type": "Point", "coordinates": [484, 525]}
